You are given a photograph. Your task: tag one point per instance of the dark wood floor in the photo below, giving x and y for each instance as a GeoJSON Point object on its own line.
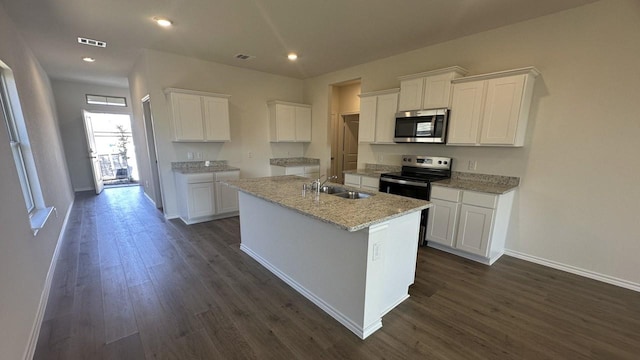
{"type": "Point", "coordinates": [130, 285]}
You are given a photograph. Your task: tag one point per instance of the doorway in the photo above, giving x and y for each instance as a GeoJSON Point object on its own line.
{"type": "Point", "coordinates": [343, 122]}
{"type": "Point", "coordinates": [349, 148]}
{"type": "Point", "coordinates": [111, 149]}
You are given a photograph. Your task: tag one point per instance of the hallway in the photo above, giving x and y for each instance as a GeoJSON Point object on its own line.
{"type": "Point", "coordinates": [130, 285]}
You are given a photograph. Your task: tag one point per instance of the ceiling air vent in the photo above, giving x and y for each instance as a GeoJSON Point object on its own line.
{"type": "Point", "coordinates": [244, 57]}
{"type": "Point", "coordinates": [92, 42]}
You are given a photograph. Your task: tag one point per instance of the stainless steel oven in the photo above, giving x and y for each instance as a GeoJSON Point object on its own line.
{"type": "Point", "coordinates": [414, 181]}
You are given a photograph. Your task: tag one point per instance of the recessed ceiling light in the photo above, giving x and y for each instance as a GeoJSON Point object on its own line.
{"type": "Point", "coordinates": [88, 59]}
{"type": "Point", "coordinates": [292, 56]}
{"type": "Point", "coordinates": [163, 21]}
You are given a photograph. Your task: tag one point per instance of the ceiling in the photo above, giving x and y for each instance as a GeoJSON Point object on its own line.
{"type": "Point", "coordinates": [327, 34]}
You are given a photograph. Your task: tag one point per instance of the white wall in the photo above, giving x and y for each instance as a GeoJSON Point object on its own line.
{"type": "Point", "coordinates": [25, 259]}
{"type": "Point", "coordinates": [70, 101]}
{"type": "Point", "coordinates": [578, 202]}
{"type": "Point", "coordinates": [250, 90]}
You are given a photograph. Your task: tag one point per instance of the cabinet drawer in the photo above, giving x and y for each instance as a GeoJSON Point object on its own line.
{"type": "Point", "coordinates": [370, 182]}
{"type": "Point", "coordinates": [199, 178]}
{"type": "Point", "coordinates": [479, 199]}
{"type": "Point", "coordinates": [439, 192]}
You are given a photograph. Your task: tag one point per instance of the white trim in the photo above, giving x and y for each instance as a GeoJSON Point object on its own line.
{"type": "Point", "coordinates": [44, 297]}
{"type": "Point", "coordinates": [84, 189]}
{"type": "Point", "coordinates": [379, 92]}
{"type": "Point", "coordinates": [149, 198]}
{"type": "Point", "coordinates": [466, 255]}
{"type": "Point", "coordinates": [341, 318]}
{"type": "Point", "coordinates": [575, 270]}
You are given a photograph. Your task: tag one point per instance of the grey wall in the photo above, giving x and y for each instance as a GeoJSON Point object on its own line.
{"type": "Point", "coordinates": [70, 101]}
{"type": "Point", "coordinates": [24, 259]}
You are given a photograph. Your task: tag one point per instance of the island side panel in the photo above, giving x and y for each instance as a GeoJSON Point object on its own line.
{"type": "Point", "coordinates": [399, 256]}
{"type": "Point", "coordinates": [326, 264]}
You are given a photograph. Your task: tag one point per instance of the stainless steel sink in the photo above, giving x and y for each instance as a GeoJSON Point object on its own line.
{"type": "Point", "coordinates": [332, 189]}
{"type": "Point", "coordinates": [352, 195]}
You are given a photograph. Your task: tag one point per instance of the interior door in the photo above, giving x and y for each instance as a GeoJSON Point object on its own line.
{"type": "Point", "coordinates": [350, 142]}
{"type": "Point", "coordinates": [93, 154]}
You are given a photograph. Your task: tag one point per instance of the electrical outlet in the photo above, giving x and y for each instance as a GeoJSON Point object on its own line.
{"type": "Point", "coordinates": [472, 164]}
{"type": "Point", "coordinates": [380, 158]}
{"type": "Point", "coordinates": [250, 154]}
{"type": "Point", "coordinates": [189, 155]}
{"type": "Point", "coordinates": [199, 155]}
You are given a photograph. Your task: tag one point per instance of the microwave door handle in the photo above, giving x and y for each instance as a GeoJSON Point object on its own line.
{"type": "Point", "coordinates": [405, 182]}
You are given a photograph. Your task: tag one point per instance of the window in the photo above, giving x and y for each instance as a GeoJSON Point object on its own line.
{"type": "Point", "coordinates": [106, 100]}
{"type": "Point", "coordinates": [11, 114]}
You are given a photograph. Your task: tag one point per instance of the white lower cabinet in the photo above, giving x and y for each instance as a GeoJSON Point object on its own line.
{"type": "Point", "coordinates": [468, 223]}
{"type": "Point", "coordinates": [309, 171]}
{"type": "Point", "coordinates": [226, 196]}
{"type": "Point", "coordinates": [362, 182]}
{"type": "Point", "coordinates": [202, 198]}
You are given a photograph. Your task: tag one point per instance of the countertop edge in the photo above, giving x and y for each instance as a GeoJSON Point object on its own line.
{"type": "Point", "coordinates": [476, 186]}
{"type": "Point", "coordinates": [340, 226]}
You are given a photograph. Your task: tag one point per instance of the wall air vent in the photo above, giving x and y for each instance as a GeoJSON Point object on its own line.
{"type": "Point", "coordinates": [244, 57]}
{"type": "Point", "coordinates": [91, 42]}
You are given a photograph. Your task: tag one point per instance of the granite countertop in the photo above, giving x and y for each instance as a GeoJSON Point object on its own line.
{"type": "Point", "coordinates": [374, 170]}
{"type": "Point", "coordinates": [296, 161]}
{"type": "Point", "coordinates": [492, 184]}
{"type": "Point", "coordinates": [347, 214]}
{"type": "Point", "coordinates": [195, 167]}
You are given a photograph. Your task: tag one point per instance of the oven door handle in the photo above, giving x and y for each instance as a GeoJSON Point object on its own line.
{"type": "Point", "coordinates": [405, 182]}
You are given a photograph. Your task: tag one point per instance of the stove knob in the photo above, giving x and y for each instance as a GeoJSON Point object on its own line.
{"type": "Point", "coordinates": [439, 161]}
{"type": "Point", "coordinates": [445, 163]}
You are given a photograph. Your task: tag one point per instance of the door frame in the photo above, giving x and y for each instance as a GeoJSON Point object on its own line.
{"type": "Point", "coordinates": [152, 153]}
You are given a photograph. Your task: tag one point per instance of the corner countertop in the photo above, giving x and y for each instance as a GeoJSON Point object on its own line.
{"type": "Point", "coordinates": [348, 214]}
{"type": "Point", "coordinates": [291, 162]}
{"type": "Point", "coordinates": [196, 167]}
{"type": "Point", "coordinates": [492, 184]}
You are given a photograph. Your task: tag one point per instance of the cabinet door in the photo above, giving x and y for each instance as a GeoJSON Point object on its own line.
{"type": "Point", "coordinates": [303, 123]}
{"type": "Point", "coordinates": [437, 91]}
{"type": "Point", "coordinates": [216, 118]}
{"type": "Point", "coordinates": [285, 123]}
{"type": "Point", "coordinates": [226, 196]}
{"type": "Point", "coordinates": [187, 117]}
{"type": "Point", "coordinates": [502, 110]}
{"type": "Point", "coordinates": [352, 180]}
{"type": "Point", "coordinates": [474, 229]}
{"type": "Point", "coordinates": [387, 106]}
{"type": "Point", "coordinates": [201, 200]}
{"type": "Point", "coordinates": [411, 94]}
{"type": "Point", "coordinates": [294, 170]}
{"type": "Point", "coordinates": [466, 112]}
{"type": "Point", "coordinates": [441, 225]}
{"type": "Point", "coordinates": [367, 121]}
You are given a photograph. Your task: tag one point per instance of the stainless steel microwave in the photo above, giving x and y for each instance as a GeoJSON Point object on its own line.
{"type": "Point", "coordinates": [421, 126]}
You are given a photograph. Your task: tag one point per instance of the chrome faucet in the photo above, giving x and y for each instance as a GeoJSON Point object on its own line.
{"type": "Point", "coordinates": [333, 177]}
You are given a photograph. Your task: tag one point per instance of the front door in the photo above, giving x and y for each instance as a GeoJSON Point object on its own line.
{"type": "Point", "coordinates": [93, 152]}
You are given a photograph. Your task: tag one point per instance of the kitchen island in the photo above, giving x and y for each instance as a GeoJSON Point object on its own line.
{"type": "Point", "coordinates": [354, 258]}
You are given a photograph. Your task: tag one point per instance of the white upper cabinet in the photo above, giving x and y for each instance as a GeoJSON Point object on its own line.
{"type": "Point", "coordinates": [491, 109]}
{"type": "Point", "coordinates": [289, 122]}
{"type": "Point", "coordinates": [199, 116]}
{"type": "Point", "coordinates": [378, 116]}
{"type": "Point", "coordinates": [428, 90]}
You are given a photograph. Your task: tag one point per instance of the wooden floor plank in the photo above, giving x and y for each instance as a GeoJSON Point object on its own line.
{"type": "Point", "coordinates": [131, 285]}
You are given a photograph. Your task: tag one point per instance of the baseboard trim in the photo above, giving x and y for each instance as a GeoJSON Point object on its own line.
{"type": "Point", "coordinates": [149, 198]}
{"type": "Point", "coordinates": [575, 270]}
{"type": "Point", "coordinates": [361, 332]}
{"type": "Point", "coordinates": [83, 189]}
{"type": "Point", "coordinates": [44, 297]}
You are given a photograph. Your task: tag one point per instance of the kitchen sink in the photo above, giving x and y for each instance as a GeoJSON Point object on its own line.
{"type": "Point", "coordinates": [332, 189]}
{"type": "Point", "coordinates": [352, 195]}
